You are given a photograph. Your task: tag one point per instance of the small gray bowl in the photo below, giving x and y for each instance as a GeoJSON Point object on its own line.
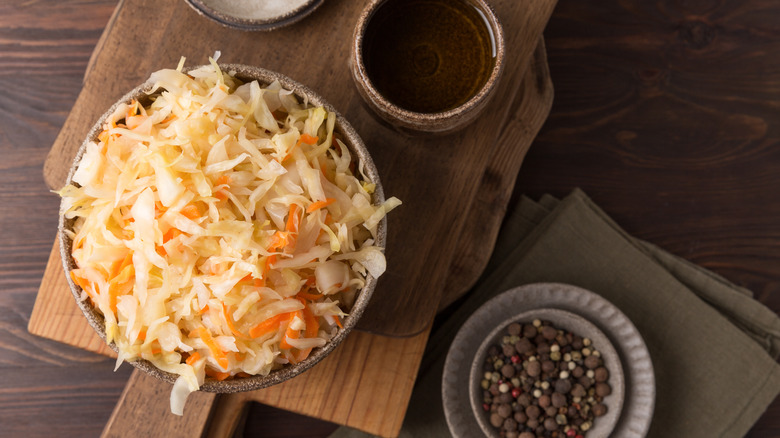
{"type": "Point", "coordinates": [359, 153]}
{"type": "Point", "coordinates": [419, 123]}
{"type": "Point", "coordinates": [561, 319]}
{"type": "Point", "coordinates": [254, 14]}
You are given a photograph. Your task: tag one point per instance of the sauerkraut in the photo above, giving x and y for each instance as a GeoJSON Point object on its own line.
{"type": "Point", "coordinates": [223, 229]}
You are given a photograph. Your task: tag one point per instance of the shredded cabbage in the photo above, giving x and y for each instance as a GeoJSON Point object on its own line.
{"type": "Point", "coordinates": [220, 229]}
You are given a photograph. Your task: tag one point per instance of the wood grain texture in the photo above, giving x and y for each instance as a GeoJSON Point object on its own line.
{"type": "Point", "coordinates": [637, 160]}
{"type": "Point", "coordinates": [147, 395]}
{"type": "Point", "coordinates": [668, 115]}
{"type": "Point", "coordinates": [487, 211]}
{"type": "Point", "coordinates": [56, 314]}
{"type": "Point", "coordinates": [360, 402]}
{"type": "Point", "coordinates": [46, 387]}
{"type": "Point", "coordinates": [340, 389]}
{"type": "Point", "coordinates": [426, 173]}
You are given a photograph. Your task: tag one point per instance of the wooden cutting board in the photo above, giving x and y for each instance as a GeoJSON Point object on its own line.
{"type": "Point", "coordinates": [454, 189]}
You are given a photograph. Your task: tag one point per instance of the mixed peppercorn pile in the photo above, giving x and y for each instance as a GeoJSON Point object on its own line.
{"type": "Point", "coordinates": [543, 382]}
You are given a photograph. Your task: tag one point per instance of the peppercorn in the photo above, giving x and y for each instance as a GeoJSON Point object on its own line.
{"type": "Point", "coordinates": [563, 386]}
{"type": "Point", "coordinates": [508, 371]}
{"type": "Point", "coordinates": [558, 399]}
{"type": "Point", "coordinates": [591, 362]}
{"type": "Point", "coordinates": [599, 410]}
{"type": "Point", "coordinates": [510, 424]}
{"type": "Point", "coordinates": [534, 368]}
{"type": "Point", "coordinates": [532, 412]}
{"type": "Point", "coordinates": [504, 410]}
{"type": "Point", "coordinates": [524, 346]}
{"type": "Point", "coordinates": [549, 332]}
{"type": "Point", "coordinates": [543, 379]}
{"type": "Point", "coordinates": [508, 350]}
{"type": "Point", "coordinates": [601, 374]}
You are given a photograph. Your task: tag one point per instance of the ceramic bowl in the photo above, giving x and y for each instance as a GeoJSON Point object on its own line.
{"type": "Point", "coordinates": [544, 301]}
{"type": "Point", "coordinates": [564, 320]}
{"type": "Point", "coordinates": [359, 154]}
{"type": "Point", "coordinates": [425, 123]}
{"type": "Point", "coordinates": [260, 15]}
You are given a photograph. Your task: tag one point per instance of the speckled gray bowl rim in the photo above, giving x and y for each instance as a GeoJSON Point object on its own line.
{"type": "Point", "coordinates": [360, 153]}
{"type": "Point", "coordinates": [247, 24]}
{"type": "Point", "coordinates": [639, 393]}
{"type": "Point", "coordinates": [560, 319]}
{"type": "Point", "coordinates": [412, 119]}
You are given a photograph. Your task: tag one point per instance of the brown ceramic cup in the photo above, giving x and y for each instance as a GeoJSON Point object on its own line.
{"type": "Point", "coordinates": [418, 122]}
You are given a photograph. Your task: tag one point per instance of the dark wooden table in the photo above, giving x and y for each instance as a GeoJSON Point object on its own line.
{"type": "Point", "coordinates": [666, 113]}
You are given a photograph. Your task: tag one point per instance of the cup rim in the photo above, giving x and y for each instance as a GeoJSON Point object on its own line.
{"type": "Point", "coordinates": [211, 10]}
{"type": "Point", "coordinates": [413, 118]}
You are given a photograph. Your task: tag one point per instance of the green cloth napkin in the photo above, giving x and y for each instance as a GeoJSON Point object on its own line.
{"type": "Point", "coordinates": [712, 345]}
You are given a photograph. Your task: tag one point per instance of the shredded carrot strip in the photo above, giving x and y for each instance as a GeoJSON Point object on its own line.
{"type": "Point", "coordinates": [85, 284]}
{"type": "Point", "coordinates": [217, 375]}
{"type": "Point", "coordinates": [230, 323]}
{"type": "Point", "coordinates": [223, 180]}
{"type": "Point", "coordinates": [308, 139]}
{"type": "Point", "coordinates": [280, 240]}
{"type": "Point", "coordinates": [221, 194]}
{"type": "Point", "coordinates": [269, 325]}
{"type": "Point", "coordinates": [269, 263]}
{"type": "Point", "coordinates": [312, 324]}
{"type": "Point", "coordinates": [79, 280]}
{"type": "Point", "coordinates": [308, 296]}
{"type": "Point", "coordinates": [291, 333]}
{"type": "Point", "coordinates": [305, 138]}
{"type": "Point", "coordinates": [203, 309]}
{"type": "Point", "coordinates": [168, 119]}
{"type": "Point", "coordinates": [132, 109]}
{"type": "Point", "coordinates": [120, 285]}
{"type": "Point", "coordinates": [320, 204]}
{"type": "Point", "coordinates": [218, 354]}
{"type": "Point", "coordinates": [142, 335]}
{"type": "Point", "coordinates": [103, 136]}
{"type": "Point", "coordinates": [190, 211]}
{"type": "Point", "coordinates": [194, 357]}
{"type": "Point", "coordinates": [172, 233]}
{"type": "Point", "coordinates": [293, 219]}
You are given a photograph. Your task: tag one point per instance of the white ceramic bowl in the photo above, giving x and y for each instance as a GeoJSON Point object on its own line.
{"type": "Point", "coordinates": [564, 320]}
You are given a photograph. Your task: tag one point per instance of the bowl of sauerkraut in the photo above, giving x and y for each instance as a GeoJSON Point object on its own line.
{"type": "Point", "coordinates": [222, 228]}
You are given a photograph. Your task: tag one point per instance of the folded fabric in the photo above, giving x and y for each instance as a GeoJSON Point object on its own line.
{"type": "Point", "coordinates": [713, 346]}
